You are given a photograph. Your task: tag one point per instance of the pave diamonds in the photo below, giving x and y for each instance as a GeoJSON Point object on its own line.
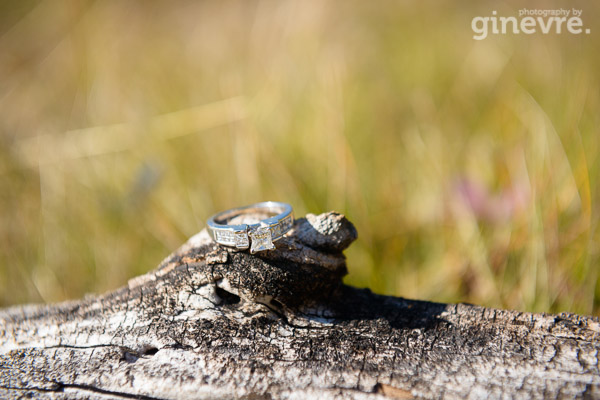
{"type": "Point", "coordinates": [261, 239]}
{"type": "Point", "coordinates": [232, 238]}
{"type": "Point", "coordinates": [280, 228]}
{"type": "Point", "coordinates": [225, 237]}
{"type": "Point", "coordinates": [286, 223]}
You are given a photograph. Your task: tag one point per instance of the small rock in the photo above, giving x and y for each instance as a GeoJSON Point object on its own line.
{"type": "Point", "coordinates": [330, 231]}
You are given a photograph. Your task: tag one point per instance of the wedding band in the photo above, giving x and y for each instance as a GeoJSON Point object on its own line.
{"type": "Point", "coordinates": [257, 236]}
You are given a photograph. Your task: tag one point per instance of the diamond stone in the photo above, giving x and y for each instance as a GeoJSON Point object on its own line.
{"type": "Point", "coordinates": [261, 239]}
{"type": "Point", "coordinates": [241, 240]}
{"type": "Point", "coordinates": [275, 230]}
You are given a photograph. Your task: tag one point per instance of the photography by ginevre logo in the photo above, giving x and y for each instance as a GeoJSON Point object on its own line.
{"type": "Point", "coordinates": [529, 21]}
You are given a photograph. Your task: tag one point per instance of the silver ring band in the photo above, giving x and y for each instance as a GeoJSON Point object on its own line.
{"type": "Point", "coordinates": [256, 236]}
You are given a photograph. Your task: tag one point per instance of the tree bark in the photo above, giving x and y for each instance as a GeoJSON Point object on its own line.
{"type": "Point", "coordinates": [211, 322]}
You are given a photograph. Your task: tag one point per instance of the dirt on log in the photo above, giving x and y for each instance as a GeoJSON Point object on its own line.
{"type": "Point", "coordinates": [215, 323]}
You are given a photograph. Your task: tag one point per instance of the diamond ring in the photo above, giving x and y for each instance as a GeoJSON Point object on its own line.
{"type": "Point", "coordinates": [229, 228]}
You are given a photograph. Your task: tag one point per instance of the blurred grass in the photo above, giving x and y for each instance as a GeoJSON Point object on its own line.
{"type": "Point", "coordinates": [471, 169]}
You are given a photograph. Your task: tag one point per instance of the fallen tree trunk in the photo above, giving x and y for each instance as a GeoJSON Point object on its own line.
{"type": "Point", "coordinates": [211, 322]}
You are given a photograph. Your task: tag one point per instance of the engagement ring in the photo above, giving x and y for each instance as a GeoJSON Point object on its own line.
{"type": "Point", "coordinates": [258, 236]}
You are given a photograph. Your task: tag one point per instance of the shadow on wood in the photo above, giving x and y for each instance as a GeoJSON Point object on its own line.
{"type": "Point", "coordinates": [211, 322]}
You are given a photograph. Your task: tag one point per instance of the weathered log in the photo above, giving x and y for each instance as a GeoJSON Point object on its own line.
{"type": "Point", "coordinates": [211, 322]}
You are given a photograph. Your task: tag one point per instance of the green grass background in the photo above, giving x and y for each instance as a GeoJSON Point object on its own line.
{"type": "Point", "coordinates": [470, 168]}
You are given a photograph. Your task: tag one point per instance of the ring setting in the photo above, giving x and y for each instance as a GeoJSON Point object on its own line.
{"type": "Point", "coordinates": [255, 236]}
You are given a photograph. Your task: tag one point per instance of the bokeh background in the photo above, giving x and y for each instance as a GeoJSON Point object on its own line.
{"type": "Point", "coordinates": [470, 168]}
